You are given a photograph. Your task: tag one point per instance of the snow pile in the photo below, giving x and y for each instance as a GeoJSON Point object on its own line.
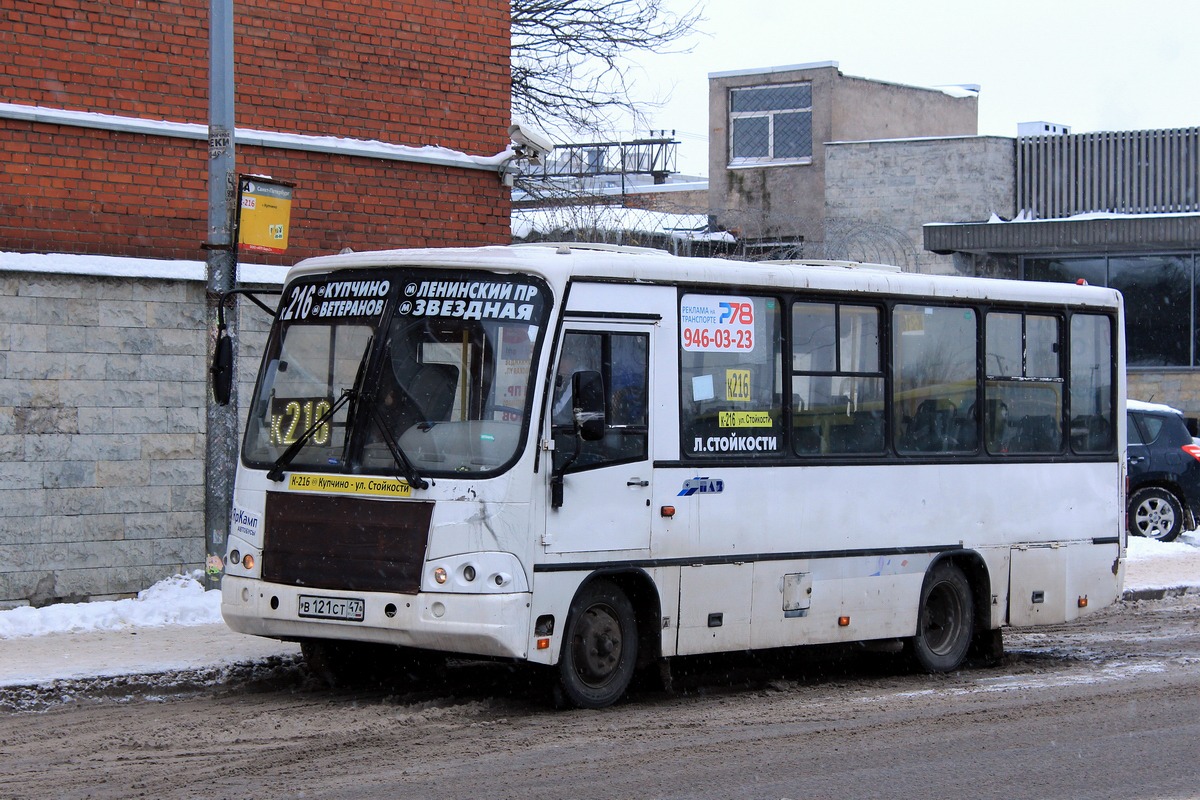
{"type": "Point", "coordinates": [178, 600]}
{"type": "Point", "coordinates": [1163, 565]}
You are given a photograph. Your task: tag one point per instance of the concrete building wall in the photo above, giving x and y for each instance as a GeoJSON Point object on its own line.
{"type": "Point", "coordinates": [880, 194]}
{"type": "Point", "coordinates": [788, 200]}
{"type": "Point", "coordinates": [866, 109]}
{"type": "Point", "coordinates": [102, 398]}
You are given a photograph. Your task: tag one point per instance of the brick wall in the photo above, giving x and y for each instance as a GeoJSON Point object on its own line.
{"type": "Point", "coordinates": [393, 70]}
{"type": "Point", "coordinates": [415, 73]}
{"type": "Point", "coordinates": [73, 190]}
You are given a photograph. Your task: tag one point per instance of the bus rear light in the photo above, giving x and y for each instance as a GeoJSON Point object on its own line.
{"type": "Point", "coordinates": [1192, 450]}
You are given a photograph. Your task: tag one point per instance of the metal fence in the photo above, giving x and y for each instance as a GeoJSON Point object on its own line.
{"type": "Point", "coordinates": [707, 233]}
{"type": "Point", "coordinates": [1134, 172]}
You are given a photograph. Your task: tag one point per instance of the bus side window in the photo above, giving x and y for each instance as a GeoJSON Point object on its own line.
{"type": "Point", "coordinates": [1024, 383]}
{"type": "Point", "coordinates": [1093, 429]}
{"type": "Point", "coordinates": [837, 379]}
{"type": "Point", "coordinates": [622, 360]}
{"type": "Point", "coordinates": [731, 376]}
{"type": "Point", "coordinates": [935, 377]}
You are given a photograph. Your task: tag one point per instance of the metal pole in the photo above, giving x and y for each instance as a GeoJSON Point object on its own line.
{"type": "Point", "coordinates": [221, 431]}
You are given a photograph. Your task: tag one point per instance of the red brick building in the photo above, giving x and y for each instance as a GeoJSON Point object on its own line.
{"type": "Point", "coordinates": [117, 180]}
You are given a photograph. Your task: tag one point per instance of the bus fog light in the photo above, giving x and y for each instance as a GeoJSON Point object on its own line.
{"type": "Point", "coordinates": [502, 579]}
{"type": "Point", "coordinates": [468, 573]}
{"type": "Point", "coordinates": [438, 610]}
{"type": "Point", "coordinates": [439, 575]}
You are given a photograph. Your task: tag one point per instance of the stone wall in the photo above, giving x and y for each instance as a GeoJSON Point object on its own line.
{"type": "Point", "coordinates": [103, 385]}
{"type": "Point", "coordinates": [1177, 388]}
{"type": "Point", "coordinates": [880, 193]}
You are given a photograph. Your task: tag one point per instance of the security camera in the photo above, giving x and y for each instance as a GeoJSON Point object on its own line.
{"type": "Point", "coordinates": [535, 145]}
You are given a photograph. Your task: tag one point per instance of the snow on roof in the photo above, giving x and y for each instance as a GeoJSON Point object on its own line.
{"type": "Point", "coordinates": [369, 148]}
{"type": "Point", "coordinates": [693, 227]}
{"type": "Point", "coordinates": [123, 267]}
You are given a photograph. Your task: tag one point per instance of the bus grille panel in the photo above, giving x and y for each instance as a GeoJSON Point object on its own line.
{"type": "Point", "coordinates": [347, 543]}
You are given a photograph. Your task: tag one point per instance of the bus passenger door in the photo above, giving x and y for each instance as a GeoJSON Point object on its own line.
{"type": "Point", "coordinates": [606, 483]}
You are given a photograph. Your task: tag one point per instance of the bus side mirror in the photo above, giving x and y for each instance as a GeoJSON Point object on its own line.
{"type": "Point", "coordinates": [222, 369]}
{"type": "Point", "coordinates": [587, 392]}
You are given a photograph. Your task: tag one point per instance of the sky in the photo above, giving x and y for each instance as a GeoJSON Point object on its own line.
{"type": "Point", "coordinates": [1090, 64]}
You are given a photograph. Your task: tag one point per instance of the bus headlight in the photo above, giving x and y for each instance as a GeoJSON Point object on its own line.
{"type": "Point", "coordinates": [475, 573]}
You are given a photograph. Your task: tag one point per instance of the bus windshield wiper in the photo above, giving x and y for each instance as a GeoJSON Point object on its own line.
{"type": "Point", "coordinates": [408, 470]}
{"type": "Point", "coordinates": [285, 458]}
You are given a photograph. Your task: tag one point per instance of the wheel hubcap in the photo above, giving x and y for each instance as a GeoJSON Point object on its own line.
{"type": "Point", "coordinates": [943, 619]}
{"type": "Point", "coordinates": [597, 645]}
{"type": "Point", "coordinates": [1154, 518]}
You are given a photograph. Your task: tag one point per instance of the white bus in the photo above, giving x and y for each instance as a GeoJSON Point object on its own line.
{"type": "Point", "coordinates": [596, 459]}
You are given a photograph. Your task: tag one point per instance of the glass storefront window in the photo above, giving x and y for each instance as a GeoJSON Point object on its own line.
{"type": "Point", "coordinates": [1161, 305]}
{"type": "Point", "coordinates": [1158, 302]}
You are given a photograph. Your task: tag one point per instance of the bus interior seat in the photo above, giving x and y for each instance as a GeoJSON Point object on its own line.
{"type": "Point", "coordinates": [1091, 432]}
{"type": "Point", "coordinates": [930, 427]}
{"type": "Point", "coordinates": [966, 428]}
{"type": "Point", "coordinates": [433, 388]}
{"type": "Point", "coordinates": [863, 434]}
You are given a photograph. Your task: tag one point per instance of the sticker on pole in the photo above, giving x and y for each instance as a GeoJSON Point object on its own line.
{"type": "Point", "coordinates": [716, 324]}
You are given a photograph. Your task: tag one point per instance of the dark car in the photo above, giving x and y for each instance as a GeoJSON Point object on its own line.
{"type": "Point", "coordinates": [1164, 472]}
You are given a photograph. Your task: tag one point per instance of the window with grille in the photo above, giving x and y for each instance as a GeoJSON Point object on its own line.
{"type": "Point", "coordinates": [770, 124]}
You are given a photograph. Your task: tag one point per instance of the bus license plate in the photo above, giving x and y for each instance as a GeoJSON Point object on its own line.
{"type": "Point", "coordinates": [346, 608]}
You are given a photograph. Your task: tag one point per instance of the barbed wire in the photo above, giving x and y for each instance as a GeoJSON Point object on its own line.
{"type": "Point", "coordinates": [704, 232]}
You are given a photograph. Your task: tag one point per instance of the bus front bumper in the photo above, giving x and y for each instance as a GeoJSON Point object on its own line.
{"type": "Point", "coordinates": [477, 624]}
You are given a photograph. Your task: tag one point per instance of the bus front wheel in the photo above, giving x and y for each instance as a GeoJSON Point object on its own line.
{"type": "Point", "coordinates": [945, 620]}
{"type": "Point", "coordinates": [599, 647]}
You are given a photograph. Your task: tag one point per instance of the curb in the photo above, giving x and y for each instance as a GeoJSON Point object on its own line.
{"type": "Point", "coordinates": [1160, 593]}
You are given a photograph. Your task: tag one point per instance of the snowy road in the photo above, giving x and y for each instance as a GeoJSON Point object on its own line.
{"type": "Point", "coordinates": [1109, 707]}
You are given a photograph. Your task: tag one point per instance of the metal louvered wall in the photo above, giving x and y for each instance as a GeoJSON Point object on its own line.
{"type": "Point", "coordinates": [1131, 172]}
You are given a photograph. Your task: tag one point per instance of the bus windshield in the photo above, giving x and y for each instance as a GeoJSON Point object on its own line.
{"type": "Point", "coordinates": [429, 385]}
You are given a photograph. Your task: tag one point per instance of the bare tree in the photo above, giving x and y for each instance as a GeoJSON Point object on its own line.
{"type": "Point", "coordinates": [570, 62]}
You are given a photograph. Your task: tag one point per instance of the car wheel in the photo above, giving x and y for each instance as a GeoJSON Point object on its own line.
{"type": "Point", "coordinates": [599, 647]}
{"type": "Point", "coordinates": [945, 620]}
{"type": "Point", "coordinates": [1156, 514]}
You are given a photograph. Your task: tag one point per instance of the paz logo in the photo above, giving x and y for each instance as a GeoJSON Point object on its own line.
{"type": "Point", "coordinates": [700, 485]}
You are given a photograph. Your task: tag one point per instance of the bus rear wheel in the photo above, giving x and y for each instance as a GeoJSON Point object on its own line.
{"type": "Point", "coordinates": [945, 620]}
{"type": "Point", "coordinates": [599, 647]}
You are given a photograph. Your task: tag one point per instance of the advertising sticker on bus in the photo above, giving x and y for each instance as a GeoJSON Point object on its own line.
{"type": "Point", "coordinates": [716, 324]}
